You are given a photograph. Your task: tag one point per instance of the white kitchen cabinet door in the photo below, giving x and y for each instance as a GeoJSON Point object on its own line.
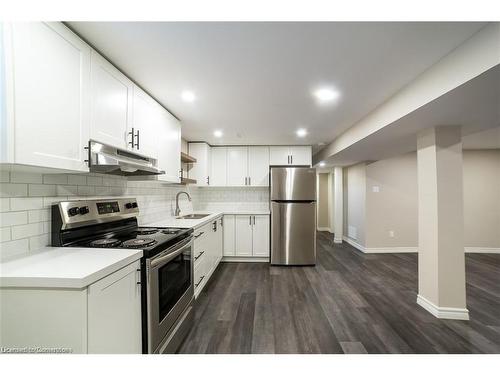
{"type": "Point", "coordinates": [243, 235]}
{"type": "Point", "coordinates": [48, 91]}
{"type": "Point", "coordinates": [144, 124]}
{"type": "Point", "coordinates": [301, 155]}
{"type": "Point", "coordinates": [229, 235]}
{"type": "Point", "coordinates": [169, 146]}
{"type": "Point", "coordinates": [111, 103]}
{"type": "Point", "coordinates": [218, 176]}
{"type": "Point", "coordinates": [279, 155]}
{"type": "Point", "coordinates": [258, 165]}
{"type": "Point", "coordinates": [219, 249]}
{"type": "Point", "coordinates": [114, 313]}
{"type": "Point", "coordinates": [200, 171]}
{"type": "Point", "coordinates": [237, 161]}
{"type": "Point", "coordinates": [260, 235]}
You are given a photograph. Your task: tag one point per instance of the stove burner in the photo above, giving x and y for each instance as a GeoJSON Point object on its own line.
{"type": "Point", "coordinates": [137, 243]}
{"type": "Point", "coordinates": [146, 230]}
{"type": "Point", "coordinates": [170, 230]}
{"type": "Point", "coordinates": [105, 242]}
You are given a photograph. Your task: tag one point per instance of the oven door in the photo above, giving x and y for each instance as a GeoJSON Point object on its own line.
{"type": "Point", "coordinates": [169, 289]}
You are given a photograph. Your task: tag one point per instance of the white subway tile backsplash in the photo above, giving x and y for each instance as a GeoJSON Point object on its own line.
{"type": "Point", "coordinates": [14, 248]}
{"type": "Point", "coordinates": [13, 190]}
{"type": "Point", "coordinates": [77, 179]}
{"type": "Point", "coordinates": [40, 190]}
{"type": "Point", "coordinates": [55, 179]}
{"type": "Point", "coordinates": [25, 177]}
{"type": "Point", "coordinates": [4, 176]}
{"type": "Point", "coordinates": [62, 190]}
{"type": "Point", "coordinates": [5, 234]}
{"type": "Point", "coordinates": [26, 206]}
{"type": "Point", "coordinates": [22, 204]}
{"type": "Point", "coordinates": [4, 204]}
{"type": "Point", "coordinates": [8, 219]}
{"type": "Point", "coordinates": [36, 216]}
{"type": "Point", "coordinates": [28, 230]}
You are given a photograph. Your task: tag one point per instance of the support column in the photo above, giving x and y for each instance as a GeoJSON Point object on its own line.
{"type": "Point", "coordinates": [441, 258]}
{"type": "Point", "coordinates": [338, 195]}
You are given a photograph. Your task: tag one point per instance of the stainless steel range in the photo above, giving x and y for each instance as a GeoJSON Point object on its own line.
{"type": "Point", "coordinates": [167, 290]}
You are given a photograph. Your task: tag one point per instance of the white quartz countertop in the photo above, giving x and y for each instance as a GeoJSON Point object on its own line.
{"type": "Point", "coordinates": [64, 267]}
{"type": "Point", "coordinates": [196, 223]}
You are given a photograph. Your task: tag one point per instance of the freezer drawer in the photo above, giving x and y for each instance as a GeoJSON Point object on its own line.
{"type": "Point", "coordinates": [293, 233]}
{"type": "Point", "coordinates": [293, 184]}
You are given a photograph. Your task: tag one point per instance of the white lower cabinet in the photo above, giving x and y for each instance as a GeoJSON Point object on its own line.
{"type": "Point", "coordinates": [104, 317]}
{"type": "Point", "coordinates": [207, 252]}
{"type": "Point", "coordinates": [246, 236]}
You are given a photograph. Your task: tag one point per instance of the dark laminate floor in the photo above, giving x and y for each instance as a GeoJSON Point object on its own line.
{"type": "Point", "coordinates": [349, 303]}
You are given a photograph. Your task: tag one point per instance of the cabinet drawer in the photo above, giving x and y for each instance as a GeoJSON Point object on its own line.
{"type": "Point", "coordinates": [200, 274]}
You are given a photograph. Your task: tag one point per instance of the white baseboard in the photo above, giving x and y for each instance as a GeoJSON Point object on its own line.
{"type": "Point", "coordinates": [245, 259]}
{"type": "Point", "coordinates": [443, 312]}
{"type": "Point", "coordinates": [353, 243]}
{"type": "Point", "coordinates": [337, 240]}
{"type": "Point", "coordinates": [389, 250]}
{"type": "Point", "coordinates": [324, 229]}
{"type": "Point", "coordinates": [483, 250]}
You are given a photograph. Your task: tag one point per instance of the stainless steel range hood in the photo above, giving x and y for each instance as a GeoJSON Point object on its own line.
{"type": "Point", "coordinates": [111, 160]}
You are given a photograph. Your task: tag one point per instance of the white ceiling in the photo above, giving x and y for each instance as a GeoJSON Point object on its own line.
{"type": "Point", "coordinates": [254, 80]}
{"type": "Point", "coordinates": [475, 106]}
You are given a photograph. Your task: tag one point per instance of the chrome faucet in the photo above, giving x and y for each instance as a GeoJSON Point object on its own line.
{"type": "Point", "coordinates": [177, 209]}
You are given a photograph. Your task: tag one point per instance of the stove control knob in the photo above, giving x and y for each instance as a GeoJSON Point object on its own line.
{"type": "Point", "coordinates": [128, 206]}
{"type": "Point", "coordinates": [134, 204]}
{"type": "Point", "coordinates": [73, 211]}
{"type": "Point", "coordinates": [84, 210]}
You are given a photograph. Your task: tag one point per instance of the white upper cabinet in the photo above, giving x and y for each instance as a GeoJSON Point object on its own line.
{"type": "Point", "coordinates": [301, 155]}
{"type": "Point", "coordinates": [237, 161]}
{"type": "Point", "coordinates": [47, 96]}
{"type": "Point", "coordinates": [279, 155]}
{"type": "Point", "coordinates": [290, 155]}
{"type": "Point", "coordinates": [144, 124]}
{"type": "Point", "coordinates": [111, 103]}
{"type": "Point", "coordinates": [218, 177]}
{"type": "Point", "coordinates": [169, 146]}
{"type": "Point", "coordinates": [258, 165]}
{"type": "Point", "coordinates": [200, 171]}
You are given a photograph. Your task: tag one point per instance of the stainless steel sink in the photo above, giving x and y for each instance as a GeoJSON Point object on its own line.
{"type": "Point", "coordinates": [193, 216]}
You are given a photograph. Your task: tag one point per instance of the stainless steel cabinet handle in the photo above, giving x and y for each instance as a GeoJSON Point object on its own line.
{"type": "Point", "coordinates": [198, 235]}
{"type": "Point", "coordinates": [291, 159]}
{"type": "Point", "coordinates": [250, 221]}
{"type": "Point", "coordinates": [249, 181]}
{"type": "Point", "coordinates": [199, 255]}
{"type": "Point", "coordinates": [208, 180]}
{"type": "Point", "coordinates": [131, 133]}
{"type": "Point", "coordinates": [254, 220]}
{"type": "Point", "coordinates": [199, 282]}
{"type": "Point", "coordinates": [137, 136]}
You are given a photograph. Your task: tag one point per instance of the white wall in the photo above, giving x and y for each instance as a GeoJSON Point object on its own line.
{"type": "Point", "coordinates": [394, 207]}
{"type": "Point", "coordinates": [355, 202]}
{"type": "Point", "coordinates": [323, 203]}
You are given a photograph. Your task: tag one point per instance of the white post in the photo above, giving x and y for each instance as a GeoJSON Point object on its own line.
{"type": "Point", "coordinates": [338, 216]}
{"type": "Point", "coordinates": [441, 259]}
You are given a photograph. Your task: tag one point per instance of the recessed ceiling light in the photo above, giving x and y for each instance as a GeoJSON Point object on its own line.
{"type": "Point", "coordinates": [218, 133]}
{"type": "Point", "coordinates": [188, 96]}
{"type": "Point", "coordinates": [301, 133]}
{"type": "Point", "coordinates": [325, 95]}
{"type": "Point", "coordinates": [321, 163]}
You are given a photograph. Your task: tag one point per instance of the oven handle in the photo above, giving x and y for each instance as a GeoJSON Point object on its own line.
{"type": "Point", "coordinates": [172, 253]}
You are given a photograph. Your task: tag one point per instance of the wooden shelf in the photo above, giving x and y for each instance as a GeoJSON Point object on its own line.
{"type": "Point", "coordinates": [185, 158]}
{"type": "Point", "coordinates": [187, 181]}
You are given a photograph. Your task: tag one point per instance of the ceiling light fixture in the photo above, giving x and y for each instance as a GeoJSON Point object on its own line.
{"type": "Point", "coordinates": [218, 133]}
{"type": "Point", "coordinates": [301, 133]}
{"type": "Point", "coordinates": [325, 95]}
{"type": "Point", "coordinates": [321, 163]}
{"type": "Point", "coordinates": [188, 96]}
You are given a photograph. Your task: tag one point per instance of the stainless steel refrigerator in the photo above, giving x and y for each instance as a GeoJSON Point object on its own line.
{"type": "Point", "coordinates": [293, 215]}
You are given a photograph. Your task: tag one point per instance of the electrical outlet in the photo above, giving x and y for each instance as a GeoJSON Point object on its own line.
{"type": "Point", "coordinates": [391, 233]}
{"type": "Point", "coordinates": [376, 189]}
